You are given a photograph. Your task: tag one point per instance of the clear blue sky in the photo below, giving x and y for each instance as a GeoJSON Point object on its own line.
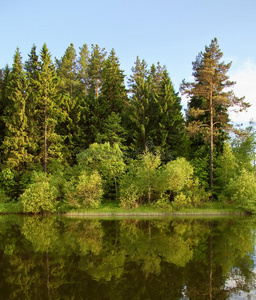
{"type": "Point", "coordinates": [168, 31]}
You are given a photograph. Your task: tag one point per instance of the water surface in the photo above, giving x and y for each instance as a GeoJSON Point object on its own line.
{"type": "Point", "coordinates": [168, 258]}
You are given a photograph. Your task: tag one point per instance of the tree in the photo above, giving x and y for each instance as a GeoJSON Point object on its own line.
{"type": "Point", "coordinates": [5, 77]}
{"type": "Point", "coordinates": [210, 97]}
{"type": "Point", "coordinates": [33, 103]}
{"type": "Point", "coordinates": [15, 141]}
{"type": "Point", "coordinates": [95, 68]}
{"type": "Point", "coordinates": [72, 104]}
{"type": "Point", "coordinates": [139, 112]}
{"type": "Point", "coordinates": [168, 125]}
{"type": "Point", "coordinates": [50, 110]}
{"type": "Point", "coordinates": [113, 91]}
{"type": "Point", "coordinates": [67, 73]}
{"type": "Point", "coordinates": [83, 62]}
{"type": "Point", "coordinates": [104, 158]}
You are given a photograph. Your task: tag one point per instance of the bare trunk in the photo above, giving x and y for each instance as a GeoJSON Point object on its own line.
{"type": "Point", "coordinates": [97, 88]}
{"type": "Point", "coordinates": [211, 143]}
{"type": "Point", "coordinates": [149, 188]}
{"type": "Point", "coordinates": [48, 275]}
{"type": "Point", "coordinates": [211, 258]}
{"type": "Point", "coordinates": [116, 188]}
{"type": "Point", "coordinates": [45, 134]}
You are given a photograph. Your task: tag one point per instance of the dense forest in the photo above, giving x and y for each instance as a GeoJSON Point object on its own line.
{"type": "Point", "coordinates": [76, 132]}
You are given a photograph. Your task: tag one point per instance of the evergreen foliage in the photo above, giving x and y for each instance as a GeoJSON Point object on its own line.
{"type": "Point", "coordinates": [97, 141]}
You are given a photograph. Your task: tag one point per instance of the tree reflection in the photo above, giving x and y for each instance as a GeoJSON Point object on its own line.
{"type": "Point", "coordinates": [58, 258]}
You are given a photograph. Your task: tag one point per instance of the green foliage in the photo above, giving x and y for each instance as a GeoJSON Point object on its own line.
{"type": "Point", "coordinates": [8, 182]}
{"type": "Point", "coordinates": [15, 120]}
{"type": "Point", "coordinates": [106, 159]}
{"type": "Point", "coordinates": [241, 190]}
{"type": "Point", "coordinates": [176, 175]}
{"type": "Point", "coordinates": [140, 181]}
{"type": "Point", "coordinates": [244, 146]}
{"type": "Point", "coordinates": [89, 189]}
{"type": "Point", "coordinates": [85, 191]}
{"type": "Point", "coordinates": [40, 196]}
{"type": "Point", "coordinates": [226, 168]}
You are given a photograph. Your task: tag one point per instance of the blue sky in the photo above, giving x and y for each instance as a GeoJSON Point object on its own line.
{"type": "Point", "coordinates": [168, 31]}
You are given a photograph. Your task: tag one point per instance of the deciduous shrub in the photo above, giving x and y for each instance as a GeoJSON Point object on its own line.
{"type": "Point", "coordinates": [40, 196]}
{"type": "Point", "coordinates": [241, 190]}
{"type": "Point", "coordinates": [85, 191]}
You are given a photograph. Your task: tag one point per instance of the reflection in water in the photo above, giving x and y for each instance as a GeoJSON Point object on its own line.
{"type": "Point", "coordinates": [59, 258]}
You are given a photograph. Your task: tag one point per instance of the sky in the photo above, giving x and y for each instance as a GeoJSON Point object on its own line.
{"type": "Point", "coordinates": [171, 32]}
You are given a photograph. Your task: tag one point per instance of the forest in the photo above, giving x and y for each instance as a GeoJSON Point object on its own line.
{"type": "Point", "coordinates": [76, 132]}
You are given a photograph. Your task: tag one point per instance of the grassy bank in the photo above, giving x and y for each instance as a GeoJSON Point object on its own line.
{"type": "Point", "coordinates": [111, 209]}
{"type": "Point", "coordinates": [207, 209]}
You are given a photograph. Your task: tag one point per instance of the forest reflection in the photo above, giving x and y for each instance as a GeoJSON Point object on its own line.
{"type": "Point", "coordinates": [61, 258]}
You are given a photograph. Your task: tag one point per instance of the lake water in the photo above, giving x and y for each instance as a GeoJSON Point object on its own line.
{"type": "Point", "coordinates": [162, 258]}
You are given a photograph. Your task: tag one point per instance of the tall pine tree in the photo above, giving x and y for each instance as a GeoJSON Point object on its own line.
{"type": "Point", "coordinates": [211, 97]}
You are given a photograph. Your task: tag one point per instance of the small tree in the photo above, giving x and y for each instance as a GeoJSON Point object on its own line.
{"type": "Point", "coordinates": [106, 159]}
{"type": "Point", "coordinates": [147, 171]}
{"type": "Point", "coordinates": [40, 196]}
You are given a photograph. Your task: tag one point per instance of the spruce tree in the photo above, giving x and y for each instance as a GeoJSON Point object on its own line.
{"type": "Point", "coordinates": [113, 91]}
{"type": "Point", "coordinates": [83, 62]}
{"type": "Point", "coordinates": [50, 141]}
{"type": "Point", "coordinates": [168, 124]}
{"type": "Point", "coordinates": [71, 103]}
{"type": "Point", "coordinates": [5, 77]}
{"type": "Point", "coordinates": [33, 103]}
{"type": "Point", "coordinates": [15, 142]}
{"type": "Point", "coordinates": [210, 98]}
{"type": "Point", "coordinates": [67, 73]}
{"type": "Point", "coordinates": [95, 67]}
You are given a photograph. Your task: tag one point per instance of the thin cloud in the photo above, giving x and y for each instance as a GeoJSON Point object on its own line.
{"type": "Point", "coordinates": [245, 77]}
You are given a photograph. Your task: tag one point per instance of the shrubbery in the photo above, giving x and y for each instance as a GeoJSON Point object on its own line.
{"type": "Point", "coordinates": [241, 191]}
{"type": "Point", "coordinates": [85, 191]}
{"type": "Point", "coordinates": [40, 196]}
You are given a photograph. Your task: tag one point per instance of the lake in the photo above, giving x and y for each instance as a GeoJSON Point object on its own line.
{"type": "Point", "coordinates": [131, 258]}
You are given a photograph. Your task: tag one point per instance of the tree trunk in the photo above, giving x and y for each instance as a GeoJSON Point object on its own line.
{"type": "Point", "coordinates": [45, 133]}
{"type": "Point", "coordinates": [116, 188]}
{"type": "Point", "coordinates": [211, 142]}
{"type": "Point", "coordinates": [149, 188]}
{"type": "Point", "coordinates": [97, 88]}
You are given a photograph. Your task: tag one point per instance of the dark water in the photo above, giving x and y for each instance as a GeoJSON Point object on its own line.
{"type": "Point", "coordinates": [61, 258]}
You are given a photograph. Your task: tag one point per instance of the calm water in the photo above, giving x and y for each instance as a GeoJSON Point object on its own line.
{"type": "Point", "coordinates": [61, 258]}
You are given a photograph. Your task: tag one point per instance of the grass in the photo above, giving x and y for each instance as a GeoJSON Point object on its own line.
{"type": "Point", "coordinates": [114, 209]}
{"type": "Point", "coordinates": [10, 208]}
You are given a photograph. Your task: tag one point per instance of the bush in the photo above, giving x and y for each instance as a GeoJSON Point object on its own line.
{"type": "Point", "coordinates": [89, 189]}
{"type": "Point", "coordinates": [40, 196]}
{"type": "Point", "coordinates": [85, 191]}
{"type": "Point", "coordinates": [175, 175]}
{"type": "Point", "coordinates": [242, 191]}
{"type": "Point", "coordinates": [181, 201]}
{"type": "Point", "coordinates": [129, 197]}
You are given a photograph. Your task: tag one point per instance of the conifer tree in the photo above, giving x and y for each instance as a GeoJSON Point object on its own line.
{"type": "Point", "coordinates": [83, 62]}
{"type": "Point", "coordinates": [67, 72]}
{"type": "Point", "coordinates": [5, 77]}
{"type": "Point", "coordinates": [71, 102]}
{"type": "Point", "coordinates": [51, 142]}
{"type": "Point", "coordinates": [138, 112]}
{"type": "Point", "coordinates": [113, 91]}
{"type": "Point", "coordinates": [168, 125]}
{"type": "Point", "coordinates": [15, 141]}
{"type": "Point", "coordinates": [211, 97]}
{"type": "Point", "coordinates": [95, 67]}
{"type": "Point", "coordinates": [33, 103]}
